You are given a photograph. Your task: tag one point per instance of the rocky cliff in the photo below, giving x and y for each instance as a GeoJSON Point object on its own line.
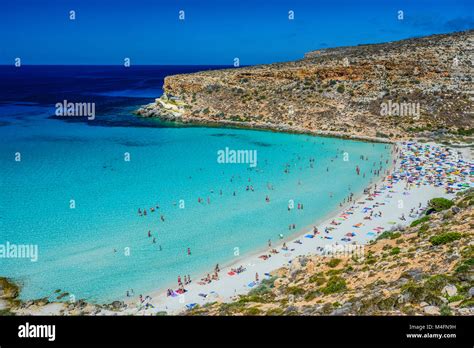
{"type": "Point", "coordinates": [393, 90]}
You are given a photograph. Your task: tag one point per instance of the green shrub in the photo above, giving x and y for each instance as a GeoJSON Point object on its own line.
{"type": "Point", "coordinates": [423, 229]}
{"type": "Point", "coordinates": [294, 290]}
{"type": "Point", "coordinates": [395, 251]}
{"type": "Point", "coordinates": [319, 279]}
{"type": "Point", "coordinates": [332, 272]}
{"type": "Point", "coordinates": [252, 311]}
{"type": "Point", "coordinates": [436, 282]}
{"type": "Point", "coordinates": [440, 204]}
{"type": "Point", "coordinates": [275, 311]}
{"type": "Point", "coordinates": [455, 298]}
{"type": "Point", "coordinates": [340, 88]}
{"type": "Point", "coordinates": [389, 235]}
{"type": "Point", "coordinates": [311, 295]}
{"type": "Point", "coordinates": [334, 262]}
{"type": "Point", "coordinates": [445, 238]}
{"type": "Point", "coordinates": [335, 284]}
{"type": "Point", "coordinates": [464, 266]}
{"type": "Point", "coordinates": [445, 310]}
{"type": "Point", "coordinates": [420, 220]}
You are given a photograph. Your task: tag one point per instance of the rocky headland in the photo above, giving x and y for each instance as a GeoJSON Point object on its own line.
{"type": "Point", "coordinates": [417, 87]}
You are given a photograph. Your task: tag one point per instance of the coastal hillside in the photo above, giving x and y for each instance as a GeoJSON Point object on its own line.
{"type": "Point", "coordinates": [416, 87]}
{"type": "Point", "coordinates": [423, 269]}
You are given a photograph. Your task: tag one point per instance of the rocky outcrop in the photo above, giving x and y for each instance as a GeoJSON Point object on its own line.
{"type": "Point", "coordinates": [388, 91]}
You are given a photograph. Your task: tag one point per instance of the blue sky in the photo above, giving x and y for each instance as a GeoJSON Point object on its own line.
{"type": "Point", "coordinates": [214, 31]}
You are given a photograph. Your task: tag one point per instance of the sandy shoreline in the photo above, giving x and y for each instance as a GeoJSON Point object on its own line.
{"type": "Point", "coordinates": [229, 286]}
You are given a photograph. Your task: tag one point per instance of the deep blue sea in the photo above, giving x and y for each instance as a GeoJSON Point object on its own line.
{"type": "Point", "coordinates": [101, 248]}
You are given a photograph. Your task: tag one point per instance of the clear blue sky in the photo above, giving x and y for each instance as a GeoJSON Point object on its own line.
{"type": "Point", "coordinates": [214, 31]}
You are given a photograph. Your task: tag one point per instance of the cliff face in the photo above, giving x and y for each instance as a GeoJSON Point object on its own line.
{"type": "Point", "coordinates": [388, 90]}
{"type": "Point", "coordinates": [424, 269]}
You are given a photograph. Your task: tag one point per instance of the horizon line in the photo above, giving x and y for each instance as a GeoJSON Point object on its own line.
{"type": "Point", "coordinates": [229, 65]}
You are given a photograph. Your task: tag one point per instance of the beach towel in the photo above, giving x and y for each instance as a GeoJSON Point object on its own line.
{"type": "Point", "coordinates": [231, 273]}
{"type": "Point", "coordinates": [252, 284]}
{"type": "Point", "coordinates": [309, 236]}
{"type": "Point", "coordinates": [191, 305]}
{"type": "Point", "coordinates": [203, 295]}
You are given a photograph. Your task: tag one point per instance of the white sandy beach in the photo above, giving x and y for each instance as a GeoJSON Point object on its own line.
{"type": "Point", "coordinates": [391, 201]}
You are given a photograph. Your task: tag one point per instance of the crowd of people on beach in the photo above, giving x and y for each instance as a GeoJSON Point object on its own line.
{"type": "Point", "coordinates": [413, 164]}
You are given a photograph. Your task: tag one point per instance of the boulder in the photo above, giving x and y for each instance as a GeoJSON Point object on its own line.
{"type": "Point", "coordinates": [449, 290]}
{"type": "Point", "coordinates": [431, 310]}
{"type": "Point", "coordinates": [471, 292]}
{"type": "Point", "coordinates": [415, 273]}
{"type": "Point", "coordinates": [343, 310]}
{"type": "Point", "coordinates": [455, 209]}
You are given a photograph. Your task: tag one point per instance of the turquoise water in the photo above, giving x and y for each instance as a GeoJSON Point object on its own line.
{"type": "Point", "coordinates": [64, 161]}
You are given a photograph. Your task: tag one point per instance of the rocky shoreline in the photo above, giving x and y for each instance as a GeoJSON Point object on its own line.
{"type": "Point", "coordinates": [151, 110]}
{"type": "Point", "coordinates": [10, 304]}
